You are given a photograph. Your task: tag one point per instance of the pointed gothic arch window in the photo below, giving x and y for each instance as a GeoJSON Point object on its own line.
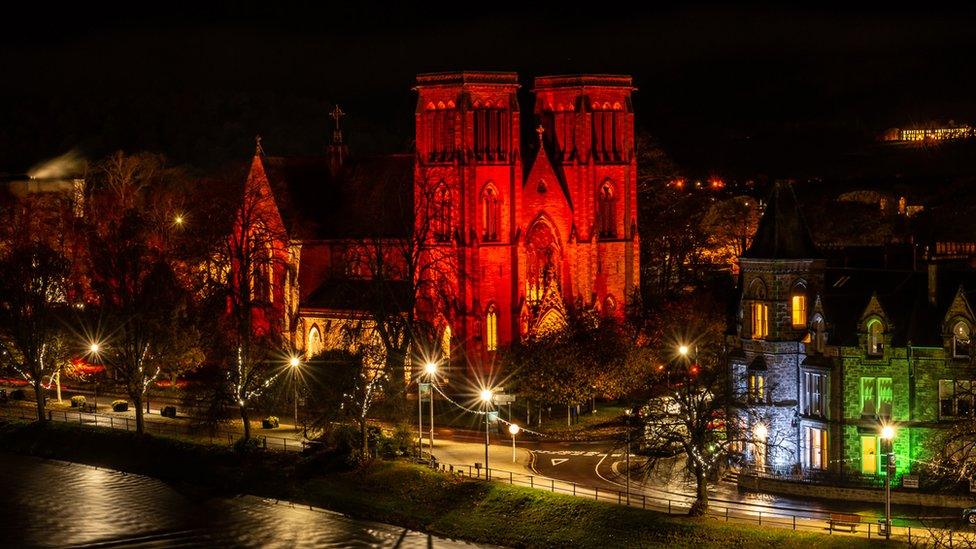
{"type": "Point", "coordinates": [876, 331]}
{"type": "Point", "coordinates": [798, 306]}
{"type": "Point", "coordinates": [491, 328]}
{"type": "Point", "coordinates": [543, 256]}
{"type": "Point", "coordinates": [491, 214]}
{"type": "Point", "coordinates": [441, 215]}
{"type": "Point", "coordinates": [314, 345]}
{"type": "Point", "coordinates": [608, 224]}
{"type": "Point", "coordinates": [961, 332]}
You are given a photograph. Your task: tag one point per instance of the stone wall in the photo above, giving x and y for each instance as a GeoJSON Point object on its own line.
{"type": "Point", "coordinates": [899, 496]}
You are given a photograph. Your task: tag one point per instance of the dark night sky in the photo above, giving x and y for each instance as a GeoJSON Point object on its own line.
{"type": "Point", "coordinates": [725, 89]}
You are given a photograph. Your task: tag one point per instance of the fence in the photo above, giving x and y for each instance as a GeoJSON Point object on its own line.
{"type": "Point", "coordinates": [153, 427]}
{"type": "Point", "coordinates": [813, 521]}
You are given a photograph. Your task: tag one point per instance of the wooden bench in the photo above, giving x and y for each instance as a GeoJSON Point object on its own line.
{"type": "Point", "coordinates": [844, 521]}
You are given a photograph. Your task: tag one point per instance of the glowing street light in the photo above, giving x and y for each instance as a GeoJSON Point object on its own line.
{"type": "Point", "coordinates": [178, 220]}
{"type": "Point", "coordinates": [94, 348]}
{"type": "Point", "coordinates": [486, 398]}
{"type": "Point", "coordinates": [514, 430]}
{"type": "Point", "coordinates": [683, 350]}
{"type": "Point", "coordinates": [294, 362]}
{"type": "Point", "coordinates": [430, 368]}
{"type": "Point", "coordinates": [888, 435]}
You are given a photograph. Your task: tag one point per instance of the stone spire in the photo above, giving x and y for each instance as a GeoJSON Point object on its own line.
{"type": "Point", "coordinates": [338, 150]}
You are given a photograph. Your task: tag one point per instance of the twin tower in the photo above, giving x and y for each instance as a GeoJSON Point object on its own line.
{"type": "Point", "coordinates": [533, 230]}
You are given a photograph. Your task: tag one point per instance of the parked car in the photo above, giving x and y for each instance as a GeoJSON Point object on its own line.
{"type": "Point", "coordinates": [969, 515]}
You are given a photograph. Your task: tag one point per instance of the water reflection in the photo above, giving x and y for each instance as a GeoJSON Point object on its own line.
{"type": "Point", "coordinates": [57, 504]}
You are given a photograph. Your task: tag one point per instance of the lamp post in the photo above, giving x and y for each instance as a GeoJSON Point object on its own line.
{"type": "Point", "coordinates": [486, 396]}
{"type": "Point", "coordinates": [294, 362]}
{"type": "Point", "coordinates": [627, 454]}
{"type": "Point", "coordinates": [888, 435]}
{"type": "Point", "coordinates": [431, 369]}
{"type": "Point", "coordinates": [93, 348]}
{"type": "Point", "coordinates": [514, 429]}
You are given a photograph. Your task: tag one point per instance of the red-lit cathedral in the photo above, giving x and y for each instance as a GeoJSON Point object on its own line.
{"type": "Point", "coordinates": [510, 236]}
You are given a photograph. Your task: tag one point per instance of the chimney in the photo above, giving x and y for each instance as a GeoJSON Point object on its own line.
{"type": "Point", "coordinates": [933, 282]}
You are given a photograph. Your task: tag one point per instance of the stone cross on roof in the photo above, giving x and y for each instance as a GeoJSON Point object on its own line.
{"type": "Point", "coordinates": [336, 114]}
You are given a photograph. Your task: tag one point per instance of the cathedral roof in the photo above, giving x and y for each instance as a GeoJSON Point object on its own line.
{"type": "Point", "coordinates": [361, 294]}
{"type": "Point", "coordinates": [782, 232]}
{"type": "Point", "coordinates": [367, 197]}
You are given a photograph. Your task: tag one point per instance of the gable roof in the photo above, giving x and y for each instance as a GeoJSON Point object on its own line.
{"type": "Point", "coordinates": [368, 197]}
{"type": "Point", "coordinates": [782, 231]}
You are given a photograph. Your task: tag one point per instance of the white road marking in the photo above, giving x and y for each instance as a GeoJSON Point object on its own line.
{"type": "Point", "coordinates": [557, 461]}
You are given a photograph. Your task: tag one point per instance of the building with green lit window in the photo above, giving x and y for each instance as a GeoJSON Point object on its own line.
{"type": "Point", "coordinates": [825, 354]}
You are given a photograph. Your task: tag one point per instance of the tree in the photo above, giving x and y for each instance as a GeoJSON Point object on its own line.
{"type": "Point", "coordinates": [141, 314]}
{"type": "Point", "coordinates": [344, 386]}
{"type": "Point", "coordinates": [686, 415]}
{"type": "Point", "coordinates": [33, 301]}
{"type": "Point", "coordinates": [253, 255]}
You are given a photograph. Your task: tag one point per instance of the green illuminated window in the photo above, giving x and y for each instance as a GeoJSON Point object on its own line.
{"type": "Point", "coordinates": [876, 396]}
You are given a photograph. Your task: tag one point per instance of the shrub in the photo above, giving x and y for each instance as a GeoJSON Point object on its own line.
{"type": "Point", "coordinates": [18, 394]}
{"type": "Point", "coordinates": [169, 411]}
{"type": "Point", "coordinates": [77, 401]}
{"type": "Point", "coordinates": [120, 406]}
{"type": "Point", "coordinates": [247, 446]}
{"type": "Point", "coordinates": [270, 422]}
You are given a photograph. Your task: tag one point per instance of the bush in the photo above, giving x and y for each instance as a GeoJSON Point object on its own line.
{"type": "Point", "coordinates": [169, 411]}
{"type": "Point", "coordinates": [398, 443]}
{"type": "Point", "coordinates": [77, 401]}
{"type": "Point", "coordinates": [270, 422]}
{"type": "Point", "coordinates": [247, 446]}
{"type": "Point", "coordinates": [120, 406]}
{"type": "Point", "coordinates": [18, 394]}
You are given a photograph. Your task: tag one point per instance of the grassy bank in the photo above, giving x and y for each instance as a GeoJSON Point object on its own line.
{"type": "Point", "coordinates": [399, 493]}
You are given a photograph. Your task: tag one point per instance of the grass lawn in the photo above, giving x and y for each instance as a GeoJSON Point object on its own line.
{"type": "Point", "coordinates": [399, 493]}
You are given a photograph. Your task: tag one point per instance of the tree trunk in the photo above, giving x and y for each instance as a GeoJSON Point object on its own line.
{"type": "Point", "coordinates": [700, 507]}
{"type": "Point", "coordinates": [246, 421]}
{"type": "Point", "coordinates": [57, 379]}
{"type": "Point", "coordinates": [39, 398]}
{"type": "Point", "coordinates": [365, 438]}
{"type": "Point", "coordinates": [140, 422]}
{"type": "Point", "coordinates": [569, 415]}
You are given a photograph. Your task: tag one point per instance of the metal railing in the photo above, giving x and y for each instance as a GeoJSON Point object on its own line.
{"type": "Point", "coordinates": [813, 521]}
{"type": "Point", "coordinates": [154, 427]}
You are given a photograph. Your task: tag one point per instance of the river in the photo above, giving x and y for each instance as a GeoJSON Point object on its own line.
{"type": "Point", "coordinates": [58, 504]}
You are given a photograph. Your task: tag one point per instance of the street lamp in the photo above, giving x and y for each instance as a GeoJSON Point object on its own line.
{"type": "Point", "coordinates": [93, 349]}
{"type": "Point", "coordinates": [514, 429]}
{"type": "Point", "coordinates": [683, 350]}
{"type": "Point", "coordinates": [431, 369]}
{"type": "Point", "coordinates": [888, 435]}
{"type": "Point", "coordinates": [486, 396]}
{"type": "Point", "coordinates": [627, 454]}
{"type": "Point", "coordinates": [294, 362]}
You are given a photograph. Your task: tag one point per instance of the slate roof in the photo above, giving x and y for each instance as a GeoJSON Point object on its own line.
{"type": "Point", "coordinates": [361, 295]}
{"type": "Point", "coordinates": [369, 197]}
{"type": "Point", "coordinates": [782, 231]}
{"type": "Point", "coordinates": [902, 294]}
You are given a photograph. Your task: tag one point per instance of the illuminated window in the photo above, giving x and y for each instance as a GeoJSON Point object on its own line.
{"type": "Point", "coordinates": [814, 392]}
{"type": "Point", "coordinates": [441, 214]}
{"type": "Point", "coordinates": [816, 443]}
{"type": "Point", "coordinates": [757, 388]}
{"type": "Point", "coordinates": [960, 340]}
{"type": "Point", "coordinates": [490, 215]}
{"type": "Point", "coordinates": [875, 337]}
{"type": "Point", "coordinates": [314, 345]}
{"type": "Point", "coordinates": [760, 320]}
{"type": "Point", "coordinates": [869, 455]}
{"type": "Point", "coordinates": [799, 310]}
{"type": "Point", "coordinates": [876, 396]}
{"type": "Point", "coordinates": [491, 329]}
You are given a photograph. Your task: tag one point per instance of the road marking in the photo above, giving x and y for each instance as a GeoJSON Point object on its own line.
{"type": "Point", "coordinates": [557, 461]}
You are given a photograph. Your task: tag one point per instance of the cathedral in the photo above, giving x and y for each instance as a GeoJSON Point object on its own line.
{"type": "Point", "coordinates": [480, 236]}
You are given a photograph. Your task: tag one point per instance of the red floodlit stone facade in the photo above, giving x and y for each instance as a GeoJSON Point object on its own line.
{"type": "Point", "coordinates": [531, 230]}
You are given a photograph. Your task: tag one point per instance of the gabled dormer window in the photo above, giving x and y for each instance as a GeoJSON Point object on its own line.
{"type": "Point", "coordinates": [875, 337]}
{"type": "Point", "coordinates": [960, 339]}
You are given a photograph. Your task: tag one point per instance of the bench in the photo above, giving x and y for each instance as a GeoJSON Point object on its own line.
{"type": "Point", "coordinates": [844, 521]}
